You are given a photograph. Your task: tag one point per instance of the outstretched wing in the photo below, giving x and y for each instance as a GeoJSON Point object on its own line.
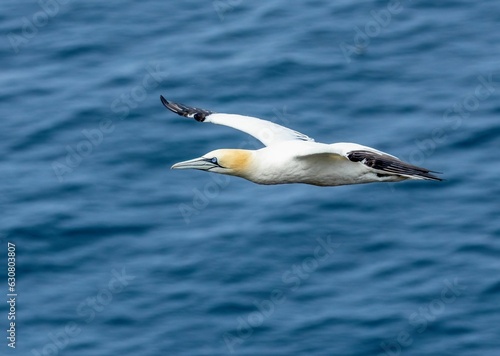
{"type": "Point", "coordinates": [391, 165]}
{"type": "Point", "coordinates": [265, 131]}
{"type": "Point", "coordinates": [383, 164]}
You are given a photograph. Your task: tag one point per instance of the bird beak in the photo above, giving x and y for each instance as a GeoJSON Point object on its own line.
{"type": "Point", "coordinates": [201, 163]}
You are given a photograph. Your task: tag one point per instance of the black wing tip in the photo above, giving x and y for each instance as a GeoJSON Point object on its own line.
{"type": "Point", "coordinates": [174, 107]}
{"type": "Point", "coordinates": [184, 110]}
{"type": "Point", "coordinates": [428, 176]}
{"type": "Point", "coordinates": [391, 165]}
{"type": "Point", "coordinates": [424, 173]}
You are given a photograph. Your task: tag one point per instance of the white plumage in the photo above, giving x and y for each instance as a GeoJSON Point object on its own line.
{"type": "Point", "coordinates": [292, 157]}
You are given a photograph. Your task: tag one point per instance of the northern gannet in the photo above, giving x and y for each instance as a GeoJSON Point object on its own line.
{"type": "Point", "coordinates": [292, 157]}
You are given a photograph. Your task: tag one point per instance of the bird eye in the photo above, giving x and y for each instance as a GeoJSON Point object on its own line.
{"type": "Point", "coordinates": [214, 160]}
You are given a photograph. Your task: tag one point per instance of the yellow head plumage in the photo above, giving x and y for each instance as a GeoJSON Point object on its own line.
{"type": "Point", "coordinates": [231, 161]}
{"type": "Point", "coordinates": [225, 161]}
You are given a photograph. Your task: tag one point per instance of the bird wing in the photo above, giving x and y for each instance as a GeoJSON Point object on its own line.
{"type": "Point", "coordinates": [391, 165]}
{"type": "Point", "coordinates": [380, 162]}
{"type": "Point", "coordinates": [265, 131]}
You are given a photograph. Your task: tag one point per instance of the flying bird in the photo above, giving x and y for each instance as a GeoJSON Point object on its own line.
{"type": "Point", "coordinates": [292, 157]}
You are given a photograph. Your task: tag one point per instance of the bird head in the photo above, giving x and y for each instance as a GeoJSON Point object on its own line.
{"type": "Point", "coordinates": [225, 161]}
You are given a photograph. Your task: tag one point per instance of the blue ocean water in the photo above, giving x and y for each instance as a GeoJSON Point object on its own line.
{"type": "Point", "coordinates": [118, 255]}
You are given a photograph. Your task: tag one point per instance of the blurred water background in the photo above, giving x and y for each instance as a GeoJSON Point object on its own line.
{"type": "Point", "coordinates": [118, 255]}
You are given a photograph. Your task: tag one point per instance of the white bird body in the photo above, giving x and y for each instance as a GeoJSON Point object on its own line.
{"type": "Point", "coordinates": [292, 157]}
{"type": "Point", "coordinates": [310, 163]}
